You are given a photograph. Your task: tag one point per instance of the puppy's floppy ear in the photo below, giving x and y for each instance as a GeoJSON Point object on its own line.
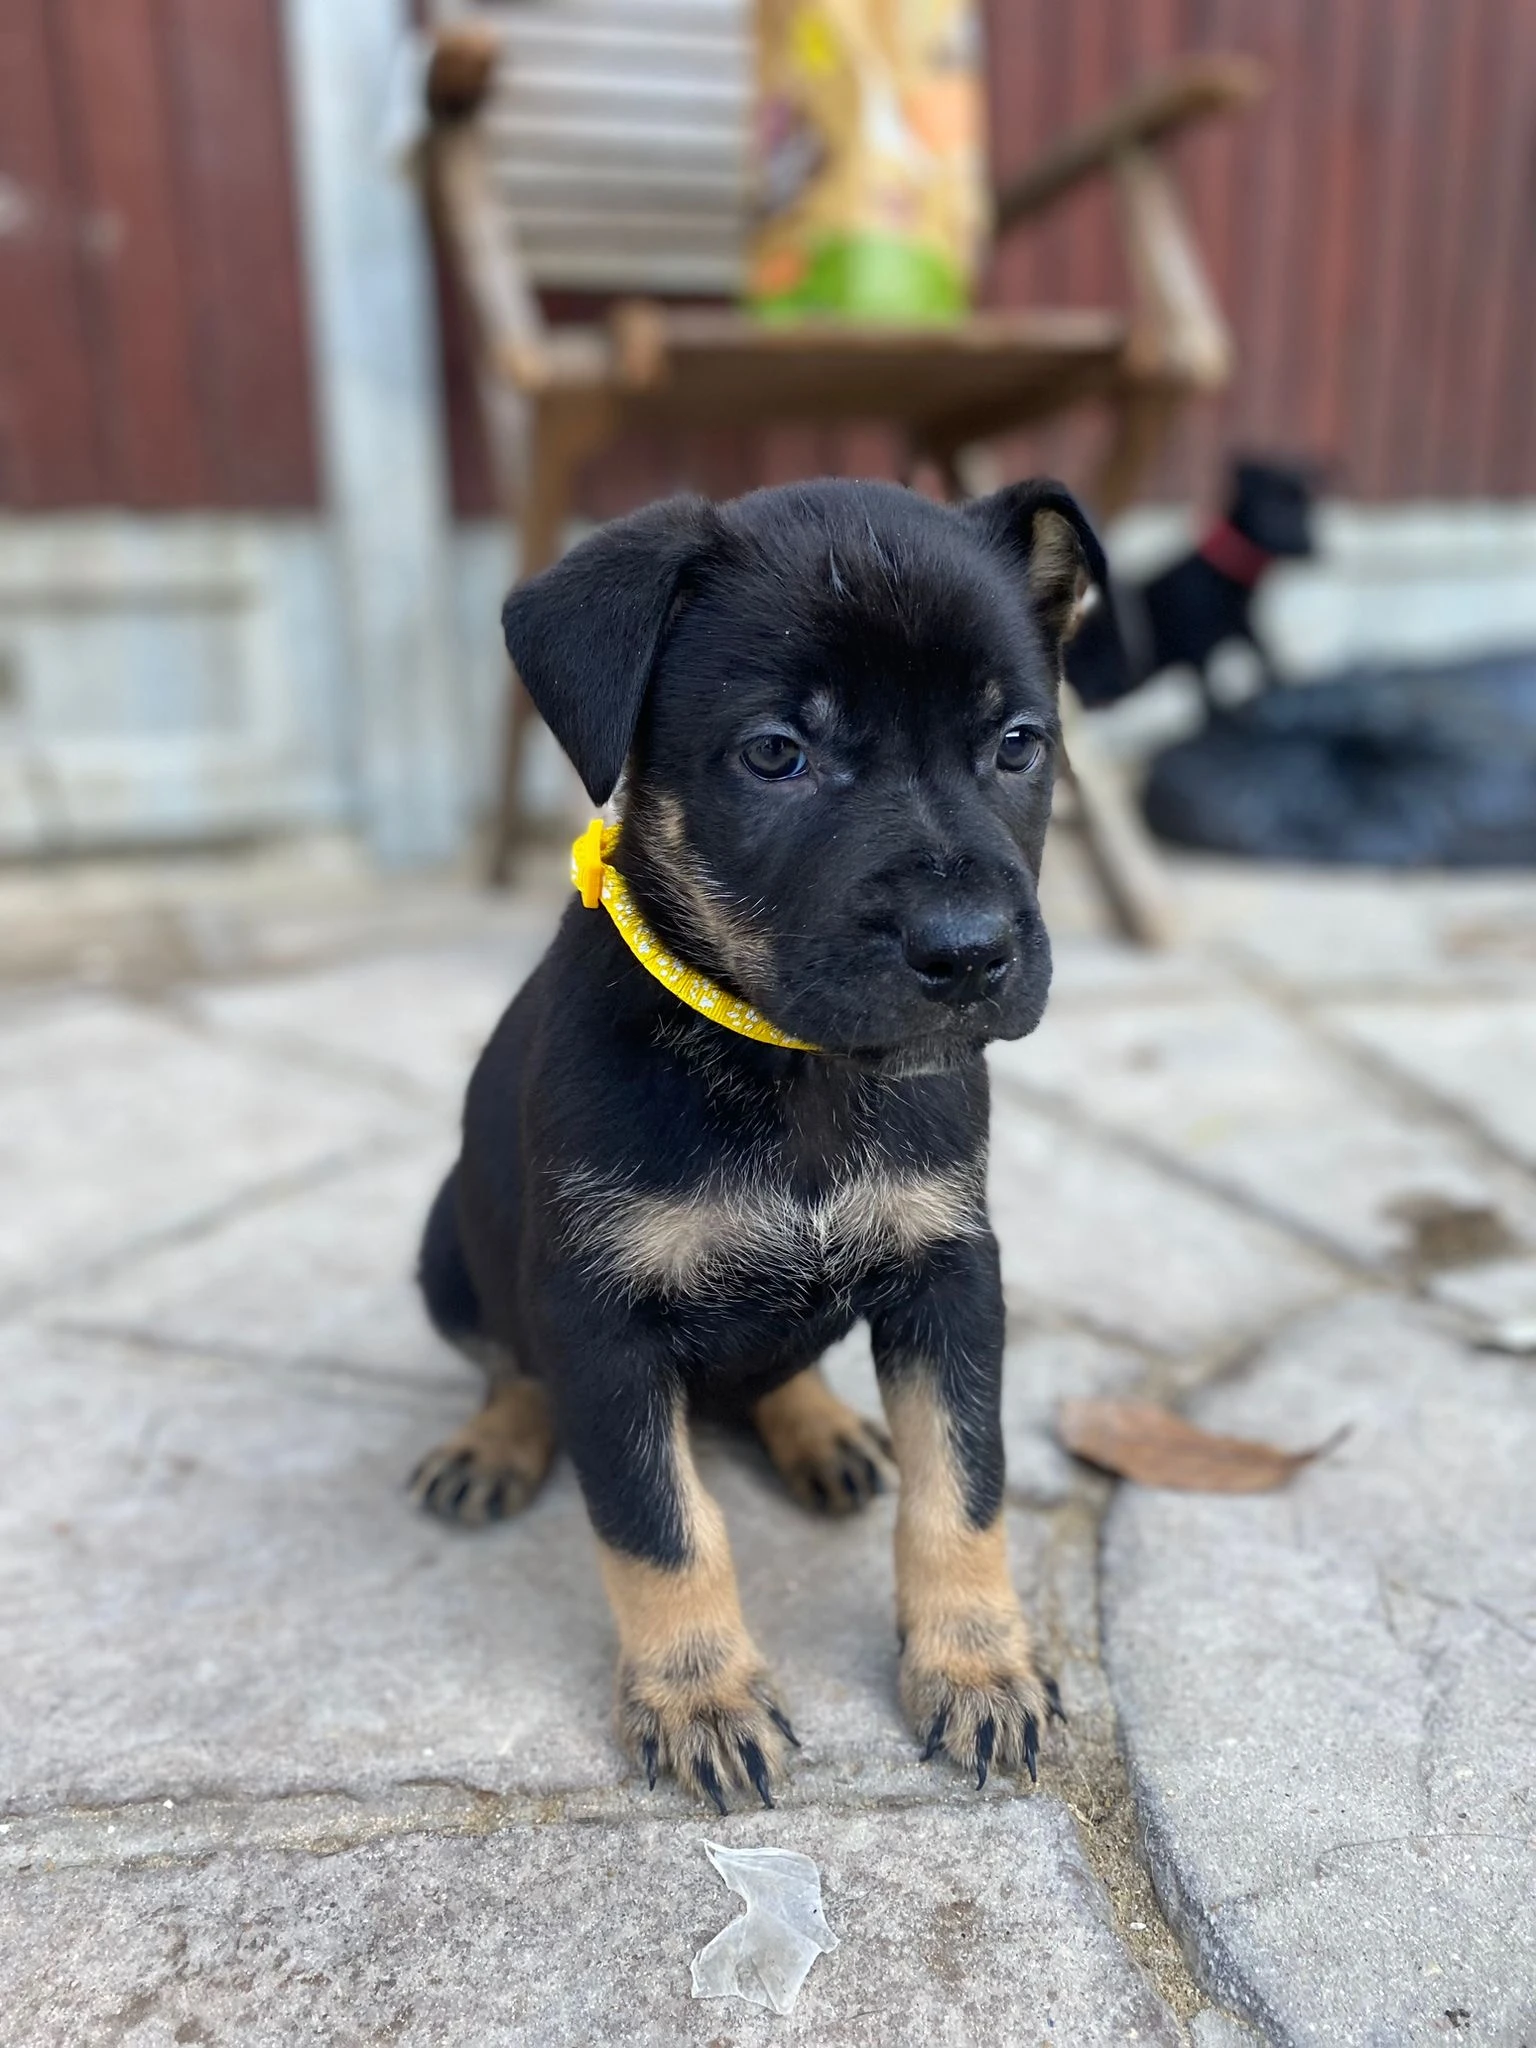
{"type": "Point", "coordinates": [1042, 526]}
{"type": "Point", "coordinates": [584, 635]}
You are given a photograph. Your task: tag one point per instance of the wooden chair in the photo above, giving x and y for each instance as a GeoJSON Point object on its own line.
{"type": "Point", "coordinates": [601, 144]}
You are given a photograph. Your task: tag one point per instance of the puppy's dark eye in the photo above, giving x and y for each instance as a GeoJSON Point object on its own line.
{"type": "Point", "coordinates": [1019, 749]}
{"type": "Point", "coordinates": [775, 757]}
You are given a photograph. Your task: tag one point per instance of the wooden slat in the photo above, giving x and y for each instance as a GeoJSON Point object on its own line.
{"type": "Point", "coordinates": [1503, 345]}
{"type": "Point", "coordinates": [234, 169]}
{"type": "Point", "coordinates": [1336, 52]}
{"type": "Point", "coordinates": [49, 448]}
{"type": "Point", "coordinates": [1397, 59]}
{"type": "Point", "coordinates": [118, 112]}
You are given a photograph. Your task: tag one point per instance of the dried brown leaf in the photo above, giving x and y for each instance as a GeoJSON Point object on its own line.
{"type": "Point", "coordinates": [1148, 1444]}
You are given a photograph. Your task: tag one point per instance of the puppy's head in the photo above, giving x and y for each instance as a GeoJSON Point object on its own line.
{"type": "Point", "coordinates": [1271, 503]}
{"type": "Point", "coordinates": [836, 704]}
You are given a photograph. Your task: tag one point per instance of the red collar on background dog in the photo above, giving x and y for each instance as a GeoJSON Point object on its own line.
{"type": "Point", "coordinates": [1234, 555]}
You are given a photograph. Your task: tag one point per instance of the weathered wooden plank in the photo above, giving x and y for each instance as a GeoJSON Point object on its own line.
{"type": "Point", "coordinates": [232, 147]}
{"type": "Point", "coordinates": [50, 453]}
{"type": "Point", "coordinates": [116, 112]}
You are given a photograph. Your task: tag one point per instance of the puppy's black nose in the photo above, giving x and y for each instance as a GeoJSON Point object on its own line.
{"type": "Point", "coordinates": [960, 955]}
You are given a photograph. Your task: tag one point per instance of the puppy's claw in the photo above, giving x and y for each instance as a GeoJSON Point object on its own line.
{"type": "Point", "coordinates": [472, 1485]}
{"type": "Point", "coordinates": [757, 1769]}
{"type": "Point", "coordinates": [780, 1721]}
{"type": "Point", "coordinates": [1053, 1704]}
{"type": "Point", "coordinates": [836, 1464]}
{"type": "Point", "coordinates": [704, 1771]}
{"type": "Point", "coordinates": [985, 1718]}
{"type": "Point", "coordinates": [935, 1736]}
{"type": "Point", "coordinates": [717, 1737]}
{"type": "Point", "coordinates": [874, 1478]}
{"type": "Point", "coordinates": [986, 1736]}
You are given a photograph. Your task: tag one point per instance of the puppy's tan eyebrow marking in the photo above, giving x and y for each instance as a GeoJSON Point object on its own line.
{"type": "Point", "coordinates": [993, 698]}
{"type": "Point", "coordinates": [820, 715]}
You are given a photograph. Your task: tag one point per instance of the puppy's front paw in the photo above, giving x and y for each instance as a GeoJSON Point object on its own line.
{"type": "Point", "coordinates": [970, 1690]}
{"type": "Point", "coordinates": [710, 1716]}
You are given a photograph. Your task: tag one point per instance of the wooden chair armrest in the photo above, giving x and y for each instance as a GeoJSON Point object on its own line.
{"type": "Point", "coordinates": [1189, 91]}
{"type": "Point", "coordinates": [459, 70]}
{"type": "Point", "coordinates": [483, 245]}
{"type": "Point", "coordinates": [1178, 338]}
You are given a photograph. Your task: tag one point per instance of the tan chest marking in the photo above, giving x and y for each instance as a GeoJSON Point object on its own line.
{"type": "Point", "coordinates": [694, 1244]}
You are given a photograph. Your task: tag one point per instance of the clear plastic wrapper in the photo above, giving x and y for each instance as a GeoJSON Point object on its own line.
{"type": "Point", "coordinates": [766, 1953]}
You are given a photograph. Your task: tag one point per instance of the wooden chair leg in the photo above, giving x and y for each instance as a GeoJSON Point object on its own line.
{"type": "Point", "coordinates": [1142, 419]}
{"type": "Point", "coordinates": [559, 440]}
{"type": "Point", "coordinates": [546, 506]}
{"type": "Point", "coordinates": [1126, 859]}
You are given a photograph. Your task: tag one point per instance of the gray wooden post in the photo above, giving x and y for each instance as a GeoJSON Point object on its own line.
{"type": "Point", "coordinates": [378, 397]}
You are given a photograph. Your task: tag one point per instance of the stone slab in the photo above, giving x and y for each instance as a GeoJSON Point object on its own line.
{"type": "Point", "coordinates": [1212, 2029]}
{"type": "Point", "coordinates": [211, 1581]}
{"type": "Point", "coordinates": [1479, 1055]}
{"type": "Point", "coordinates": [1496, 1299]}
{"type": "Point", "coordinates": [320, 1282]}
{"type": "Point", "coordinates": [1323, 929]}
{"type": "Point", "coordinates": [416, 1019]}
{"type": "Point", "coordinates": [964, 1928]}
{"type": "Point", "coordinates": [1241, 1095]}
{"type": "Point", "coordinates": [1328, 1695]}
{"type": "Point", "coordinates": [119, 1124]}
{"type": "Point", "coordinates": [1089, 1232]}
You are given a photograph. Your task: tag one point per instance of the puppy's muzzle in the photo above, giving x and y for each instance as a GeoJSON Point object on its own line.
{"type": "Point", "coordinates": [961, 955]}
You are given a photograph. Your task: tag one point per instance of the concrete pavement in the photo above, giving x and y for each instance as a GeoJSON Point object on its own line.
{"type": "Point", "coordinates": [281, 1760]}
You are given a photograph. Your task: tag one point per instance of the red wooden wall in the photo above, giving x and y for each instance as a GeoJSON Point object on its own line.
{"type": "Point", "coordinates": [1372, 232]}
{"type": "Point", "coordinates": [1371, 228]}
{"type": "Point", "coordinates": [152, 340]}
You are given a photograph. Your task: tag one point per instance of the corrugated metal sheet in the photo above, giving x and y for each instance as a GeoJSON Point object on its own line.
{"type": "Point", "coordinates": [620, 138]}
{"type": "Point", "coordinates": [1371, 228]}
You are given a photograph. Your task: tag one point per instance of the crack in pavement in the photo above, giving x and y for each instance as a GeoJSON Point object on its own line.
{"type": "Point", "coordinates": [307, 1369]}
{"type": "Point", "coordinates": [249, 1201]}
{"type": "Point", "coordinates": [1411, 1096]}
{"type": "Point", "coordinates": [1231, 1194]}
{"type": "Point", "coordinates": [330, 1820]}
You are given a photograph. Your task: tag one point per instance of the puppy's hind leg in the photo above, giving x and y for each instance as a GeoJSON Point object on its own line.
{"type": "Point", "coordinates": [832, 1460]}
{"type": "Point", "coordinates": [497, 1462]}
{"type": "Point", "coordinates": [495, 1465]}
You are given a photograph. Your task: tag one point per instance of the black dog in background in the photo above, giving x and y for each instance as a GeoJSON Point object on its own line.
{"type": "Point", "coordinates": [742, 1104]}
{"type": "Point", "coordinates": [1205, 600]}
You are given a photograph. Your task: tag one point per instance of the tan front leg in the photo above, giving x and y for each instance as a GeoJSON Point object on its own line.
{"type": "Point", "coordinates": [694, 1696]}
{"type": "Point", "coordinates": [968, 1678]}
{"type": "Point", "coordinates": [832, 1460]}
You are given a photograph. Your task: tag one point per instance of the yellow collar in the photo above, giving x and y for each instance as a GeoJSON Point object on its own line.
{"type": "Point", "coordinates": [599, 884]}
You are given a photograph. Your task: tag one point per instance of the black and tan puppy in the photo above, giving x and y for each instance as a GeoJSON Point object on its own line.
{"type": "Point", "coordinates": [834, 711]}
